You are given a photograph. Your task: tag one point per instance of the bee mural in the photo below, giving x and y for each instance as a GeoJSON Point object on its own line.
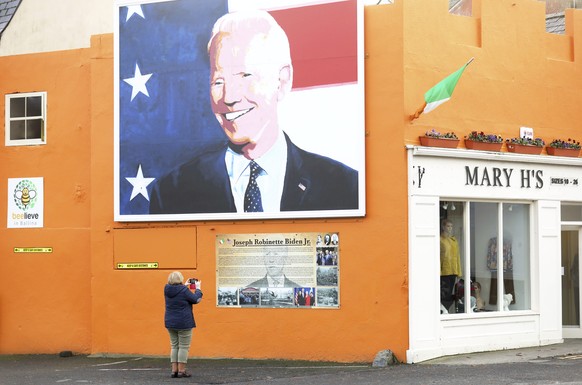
{"type": "Point", "coordinates": [25, 194]}
{"type": "Point", "coordinates": [25, 202]}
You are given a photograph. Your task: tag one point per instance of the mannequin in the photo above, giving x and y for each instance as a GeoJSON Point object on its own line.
{"type": "Point", "coordinates": [450, 262]}
{"type": "Point", "coordinates": [480, 304]}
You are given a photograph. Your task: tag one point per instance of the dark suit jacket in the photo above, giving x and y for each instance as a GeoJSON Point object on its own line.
{"type": "Point", "coordinates": [312, 182]}
{"type": "Point", "coordinates": [264, 282]}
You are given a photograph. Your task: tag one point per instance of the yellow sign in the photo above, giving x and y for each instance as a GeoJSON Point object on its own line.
{"type": "Point", "coordinates": [33, 249]}
{"type": "Point", "coordinates": [138, 265]}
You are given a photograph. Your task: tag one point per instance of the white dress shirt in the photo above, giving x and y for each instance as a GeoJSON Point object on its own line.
{"type": "Point", "coordinates": [270, 181]}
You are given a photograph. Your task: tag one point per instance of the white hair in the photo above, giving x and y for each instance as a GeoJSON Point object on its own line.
{"type": "Point", "coordinates": [175, 278]}
{"type": "Point", "coordinates": [263, 25]}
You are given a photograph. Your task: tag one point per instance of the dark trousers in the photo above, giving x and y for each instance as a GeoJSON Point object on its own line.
{"type": "Point", "coordinates": [447, 285]}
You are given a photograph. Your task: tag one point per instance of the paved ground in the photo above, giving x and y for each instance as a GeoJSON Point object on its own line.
{"type": "Point", "coordinates": [555, 364]}
{"type": "Point", "coordinates": [571, 347]}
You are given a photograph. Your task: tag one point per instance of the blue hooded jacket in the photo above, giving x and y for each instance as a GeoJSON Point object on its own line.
{"type": "Point", "coordinates": [179, 301]}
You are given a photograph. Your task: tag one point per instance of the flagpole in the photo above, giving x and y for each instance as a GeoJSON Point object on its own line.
{"type": "Point", "coordinates": [418, 112]}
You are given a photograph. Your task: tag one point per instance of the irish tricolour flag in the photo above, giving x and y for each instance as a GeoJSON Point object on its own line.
{"type": "Point", "coordinates": [441, 92]}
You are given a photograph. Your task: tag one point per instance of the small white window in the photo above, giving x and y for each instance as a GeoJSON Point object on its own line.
{"type": "Point", "coordinates": [25, 119]}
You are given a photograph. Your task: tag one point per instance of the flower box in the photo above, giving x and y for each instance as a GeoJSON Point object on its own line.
{"type": "Point", "coordinates": [438, 142]}
{"type": "Point", "coordinates": [524, 149]}
{"type": "Point", "coordinates": [483, 146]}
{"type": "Point", "coordinates": [572, 152]}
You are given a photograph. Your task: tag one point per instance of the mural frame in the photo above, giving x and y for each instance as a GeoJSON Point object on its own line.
{"type": "Point", "coordinates": [162, 114]}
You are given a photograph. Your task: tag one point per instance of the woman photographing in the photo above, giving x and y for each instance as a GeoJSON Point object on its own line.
{"type": "Point", "coordinates": [179, 320]}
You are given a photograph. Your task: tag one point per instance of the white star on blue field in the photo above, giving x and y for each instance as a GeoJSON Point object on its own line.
{"type": "Point", "coordinates": [163, 93]}
{"type": "Point", "coordinates": [139, 184]}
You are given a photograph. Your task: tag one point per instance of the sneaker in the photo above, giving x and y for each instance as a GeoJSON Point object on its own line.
{"type": "Point", "coordinates": [183, 374]}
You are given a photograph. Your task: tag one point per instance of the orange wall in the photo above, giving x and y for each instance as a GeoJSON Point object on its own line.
{"type": "Point", "coordinates": [45, 301]}
{"type": "Point", "coordinates": [521, 75]}
{"type": "Point", "coordinates": [127, 313]}
{"type": "Point", "coordinates": [75, 299]}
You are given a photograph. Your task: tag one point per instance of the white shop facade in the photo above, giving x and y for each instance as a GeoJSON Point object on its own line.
{"type": "Point", "coordinates": [530, 204]}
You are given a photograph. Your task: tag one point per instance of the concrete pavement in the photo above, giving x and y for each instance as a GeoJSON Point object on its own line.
{"type": "Point", "coordinates": [568, 347]}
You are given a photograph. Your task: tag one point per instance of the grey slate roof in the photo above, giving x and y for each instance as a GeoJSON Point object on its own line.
{"type": "Point", "coordinates": [7, 10]}
{"type": "Point", "coordinates": [555, 23]}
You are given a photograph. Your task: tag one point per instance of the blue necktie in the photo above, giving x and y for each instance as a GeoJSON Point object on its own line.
{"type": "Point", "coordinates": [253, 201]}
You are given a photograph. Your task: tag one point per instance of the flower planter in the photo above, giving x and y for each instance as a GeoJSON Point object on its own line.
{"type": "Point", "coordinates": [572, 152]}
{"type": "Point", "coordinates": [524, 149]}
{"type": "Point", "coordinates": [438, 142]}
{"type": "Point", "coordinates": [483, 146]}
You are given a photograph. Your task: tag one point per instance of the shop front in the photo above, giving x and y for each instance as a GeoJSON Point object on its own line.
{"type": "Point", "coordinates": [494, 243]}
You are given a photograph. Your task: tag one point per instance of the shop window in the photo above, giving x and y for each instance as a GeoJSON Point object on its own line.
{"type": "Point", "coordinates": [474, 267]}
{"type": "Point", "coordinates": [25, 119]}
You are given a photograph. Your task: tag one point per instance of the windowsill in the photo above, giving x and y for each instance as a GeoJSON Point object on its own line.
{"type": "Point", "coordinates": [463, 153]}
{"type": "Point", "coordinates": [488, 314]}
{"type": "Point", "coordinates": [25, 142]}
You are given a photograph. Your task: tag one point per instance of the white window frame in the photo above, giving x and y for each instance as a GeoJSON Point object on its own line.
{"type": "Point", "coordinates": [9, 120]}
{"type": "Point", "coordinates": [466, 257]}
